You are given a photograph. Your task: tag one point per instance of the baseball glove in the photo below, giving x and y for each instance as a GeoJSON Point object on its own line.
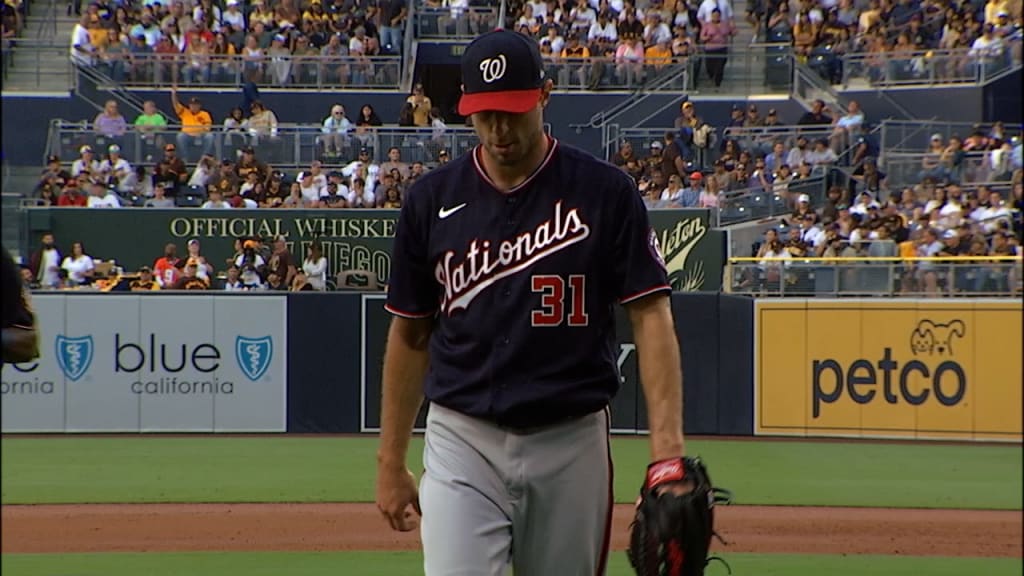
{"type": "Point", "coordinates": [674, 523]}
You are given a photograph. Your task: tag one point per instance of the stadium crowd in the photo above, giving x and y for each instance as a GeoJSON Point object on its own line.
{"type": "Point", "coordinates": [214, 40]}
{"type": "Point", "coordinates": [258, 264]}
{"type": "Point", "coordinates": [278, 42]}
{"type": "Point", "coordinates": [179, 168]}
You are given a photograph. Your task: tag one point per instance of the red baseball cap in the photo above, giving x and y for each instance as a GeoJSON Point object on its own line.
{"type": "Point", "coordinates": [501, 71]}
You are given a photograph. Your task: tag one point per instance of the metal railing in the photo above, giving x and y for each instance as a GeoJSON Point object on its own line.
{"type": "Point", "coordinates": [289, 145]}
{"type": "Point", "coordinates": [915, 136]}
{"type": "Point", "coordinates": [885, 277]}
{"type": "Point", "coordinates": [41, 60]}
{"type": "Point", "coordinates": [908, 168]}
{"type": "Point", "coordinates": [928, 67]}
{"type": "Point", "coordinates": [748, 204]}
{"type": "Point", "coordinates": [454, 23]}
{"type": "Point", "coordinates": [271, 71]}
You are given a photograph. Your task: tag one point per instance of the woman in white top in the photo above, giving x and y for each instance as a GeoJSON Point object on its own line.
{"type": "Point", "coordinates": [315, 267]}
{"type": "Point", "coordinates": [78, 265]}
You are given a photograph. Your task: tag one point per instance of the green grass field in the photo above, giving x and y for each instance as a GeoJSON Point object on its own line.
{"type": "Point", "coordinates": [402, 563]}
{"type": "Point", "coordinates": [318, 469]}
{"type": "Point", "coordinates": [295, 469]}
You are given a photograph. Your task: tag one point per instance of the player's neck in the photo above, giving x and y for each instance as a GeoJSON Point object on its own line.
{"type": "Point", "coordinates": [508, 177]}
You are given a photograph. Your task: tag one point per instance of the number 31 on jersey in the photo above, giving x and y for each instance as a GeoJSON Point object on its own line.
{"type": "Point", "coordinates": [552, 311]}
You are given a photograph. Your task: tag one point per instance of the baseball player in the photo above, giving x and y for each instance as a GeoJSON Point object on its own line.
{"type": "Point", "coordinates": [507, 265]}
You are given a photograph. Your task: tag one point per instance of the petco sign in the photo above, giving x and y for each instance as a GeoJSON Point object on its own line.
{"type": "Point", "coordinates": [897, 368]}
{"type": "Point", "coordinates": [153, 362]}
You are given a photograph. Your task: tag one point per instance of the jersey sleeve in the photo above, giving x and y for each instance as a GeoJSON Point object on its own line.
{"type": "Point", "coordinates": [412, 290]}
{"type": "Point", "coordinates": [639, 267]}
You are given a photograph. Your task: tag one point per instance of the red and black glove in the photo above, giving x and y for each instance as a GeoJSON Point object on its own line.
{"type": "Point", "coordinates": [671, 533]}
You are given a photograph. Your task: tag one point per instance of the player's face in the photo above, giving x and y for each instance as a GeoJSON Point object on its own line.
{"type": "Point", "coordinates": [510, 139]}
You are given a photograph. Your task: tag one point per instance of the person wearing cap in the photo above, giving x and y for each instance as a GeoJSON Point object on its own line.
{"type": "Point", "coordinates": [196, 125]}
{"type": "Point", "coordinates": [72, 195]}
{"type": "Point", "coordinates": [233, 16]}
{"type": "Point", "coordinates": [653, 159]}
{"type": "Point", "coordinates": [204, 269]}
{"type": "Point", "coordinates": [119, 172]}
{"type": "Point", "coordinates": [53, 176]}
{"type": "Point", "coordinates": [86, 164]}
{"type": "Point", "coordinates": [363, 167]}
{"type": "Point", "coordinates": [462, 273]}
{"type": "Point", "coordinates": [83, 51]}
{"type": "Point", "coordinates": [145, 282]}
{"type": "Point", "coordinates": [102, 197]}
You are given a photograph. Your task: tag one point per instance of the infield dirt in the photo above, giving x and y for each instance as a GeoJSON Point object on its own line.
{"type": "Point", "coordinates": [339, 527]}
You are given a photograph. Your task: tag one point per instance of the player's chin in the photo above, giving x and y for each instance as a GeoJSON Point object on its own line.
{"type": "Point", "coordinates": [505, 153]}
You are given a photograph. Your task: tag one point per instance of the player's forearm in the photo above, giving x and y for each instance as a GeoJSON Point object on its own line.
{"type": "Point", "coordinates": [661, 377]}
{"type": "Point", "coordinates": [405, 366]}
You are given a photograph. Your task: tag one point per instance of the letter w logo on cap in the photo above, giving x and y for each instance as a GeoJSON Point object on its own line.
{"type": "Point", "coordinates": [493, 68]}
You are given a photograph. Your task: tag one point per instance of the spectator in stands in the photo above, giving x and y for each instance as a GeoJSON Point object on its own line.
{"type": "Point", "coordinates": [173, 167]}
{"type": "Point", "coordinates": [821, 154]}
{"type": "Point", "coordinates": [867, 177]}
{"type": "Point", "coordinates": [334, 132]}
{"type": "Point", "coordinates": [148, 124]}
{"type": "Point", "coordinates": [102, 197]}
{"type": "Point", "coordinates": [53, 175]}
{"type": "Point", "coordinates": [250, 163]}
{"type": "Point", "coordinates": [847, 127]}
{"type": "Point", "coordinates": [196, 125]}
{"type": "Point", "coordinates": [671, 196]}
{"type": "Point", "coordinates": [79, 266]}
{"type": "Point", "coordinates": [394, 162]}
{"type": "Point", "coordinates": [82, 50]}
{"type": "Point", "coordinates": [189, 280]}
{"type": "Point", "coordinates": [145, 282]}
{"type": "Point", "coordinates": [71, 195]}
{"type": "Point", "coordinates": [798, 154]}
{"type": "Point", "coordinates": [117, 172]}
{"type": "Point", "coordinates": [215, 200]}
{"type": "Point", "coordinates": [421, 105]}
{"type": "Point", "coordinates": [45, 262]}
{"type": "Point", "coordinates": [168, 267]}
{"type": "Point", "coordinates": [159, 199]}
{"type": "Point", "coordinates": [818, 115]}
{"type": "Point", "coordinates": [282, 263]}
{"type": "Point", "coordinates": [262, 123]}
{"type": "Point", "coordinates": [110, 124]}
{"type": "Point", "coordinates": [86, 164]}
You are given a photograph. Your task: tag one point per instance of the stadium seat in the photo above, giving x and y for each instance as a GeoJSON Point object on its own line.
{"type": "Point", "coordinates": [190, 197]}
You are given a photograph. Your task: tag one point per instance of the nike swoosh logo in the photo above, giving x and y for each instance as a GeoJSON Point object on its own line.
{"type": "Point", "coordinates": [443, 212]}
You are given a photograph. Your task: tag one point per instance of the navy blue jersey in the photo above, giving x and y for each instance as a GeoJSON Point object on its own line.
{"type": "Point", "coordinates": [523, 283]}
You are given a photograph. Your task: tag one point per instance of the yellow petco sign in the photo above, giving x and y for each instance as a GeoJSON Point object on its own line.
{"type": "Point", "coordinates": [940, 369]}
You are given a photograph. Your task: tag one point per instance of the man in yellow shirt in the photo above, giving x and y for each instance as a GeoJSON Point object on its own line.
{"type": "Point", "coordinates": [196, 125]}
{"type": "Point", "coordinates": [144, 282]}
{"type": "Point", "coordinates": [658, 56]}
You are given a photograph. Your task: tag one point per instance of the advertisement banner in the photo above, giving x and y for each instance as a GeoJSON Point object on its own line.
{"type": "Point", "coordinates": [929, 369]}
{"type": "Point", "coordinates": [152, 363]}
{"type": "Point", "coordinates": [351, 239]}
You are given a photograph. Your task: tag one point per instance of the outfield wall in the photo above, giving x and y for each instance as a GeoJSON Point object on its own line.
{"type": "Point", "coordinates": [311, 363]}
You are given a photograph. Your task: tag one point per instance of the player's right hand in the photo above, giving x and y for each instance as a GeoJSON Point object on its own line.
{"type": "Point", "coordinates": [397, 497]}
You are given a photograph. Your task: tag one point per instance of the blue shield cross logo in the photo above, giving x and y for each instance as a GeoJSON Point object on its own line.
{"type": "Point", "coordinates": [74, 355]}
{"type": "Point", "coordinates": [254, 355]}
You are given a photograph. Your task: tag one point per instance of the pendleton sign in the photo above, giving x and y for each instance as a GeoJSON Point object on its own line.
{"type": "Point", "coordinates": [351, 239]}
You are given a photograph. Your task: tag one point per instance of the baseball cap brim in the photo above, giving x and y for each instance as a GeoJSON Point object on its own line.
{"type": "Point", "coordinates": [511, 101]}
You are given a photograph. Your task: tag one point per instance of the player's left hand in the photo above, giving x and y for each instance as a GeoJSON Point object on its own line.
{"type": "Point", "coordinates": [674, 523]}
{"type": "Point", "coordinates": [398, 498]}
